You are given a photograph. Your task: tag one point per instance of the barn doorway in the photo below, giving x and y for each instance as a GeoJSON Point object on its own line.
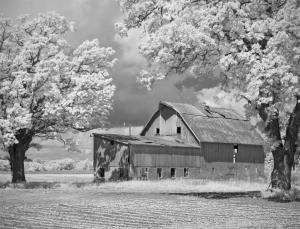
{"type": "Point", "coordinates": [173, 173]}
{"type": "Point", "coordinates": [159, 173]}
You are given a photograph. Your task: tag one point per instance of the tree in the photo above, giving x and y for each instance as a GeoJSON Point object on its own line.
{"type": "Point", "coordinates": [46, 87]}
{"type": "Point", "coordinates": [255, 44]}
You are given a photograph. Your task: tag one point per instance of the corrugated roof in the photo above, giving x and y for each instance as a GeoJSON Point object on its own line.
{"type": "Point", "coordinates": [216, 124]}
{"type": "Point", "coordinates": [142, 140]}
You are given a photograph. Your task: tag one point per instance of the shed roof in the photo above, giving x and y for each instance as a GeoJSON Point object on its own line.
{"type": "Point", "coordinates": [142, 140]}
{"type": "Point", "coordinates": [221, 125]}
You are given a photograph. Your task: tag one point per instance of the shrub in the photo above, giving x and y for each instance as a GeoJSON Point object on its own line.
{"type": "Point", "coordinates": [4, 165]}
{"type": "Point", "coordinates": [84, 165]}
{"type": "Point", "coordinates": [34, 166]}
{"type": "Point", "coordinates": [54, 165]}
{"type": "Point", "coordinates": [282, 195]}
{"type": "Point", "coordinates": [62, 164]}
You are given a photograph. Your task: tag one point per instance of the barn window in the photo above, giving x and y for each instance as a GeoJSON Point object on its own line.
{"type": "Point", "coordinates": [101, 172]}
{"type": "Point", "coordinates": [159, 173]}
{"type": "Point", "coordinates": [235, 151]}
{"type": "Point", "coordinates": [112, 142]}
{"type": "Point", "coordinates": [128, 159]}
{"type": "Point", "coordinates": [178, 130]}
{"type": "Point", "coordinates": [186, 172]}
{"type": "Point", "coordinates": [157, 131]}
{"type": "Point", "coordinates": [173, 172]}
{"type": "Point", "coordinates": [121, 172]}
{"type": "Point", "coordinates": [144, 173]}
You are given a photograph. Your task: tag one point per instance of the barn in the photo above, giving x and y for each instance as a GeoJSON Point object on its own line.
{"type": "Point", "coordinates": [183, 141]}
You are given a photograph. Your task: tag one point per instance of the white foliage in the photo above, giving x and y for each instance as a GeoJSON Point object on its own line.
{"type": "Point", "coordinates": [45, 87]}
{"type": "Point", "coordinates": [254, 43]}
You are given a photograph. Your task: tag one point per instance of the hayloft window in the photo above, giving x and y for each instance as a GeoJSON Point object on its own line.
{"type": "Point", "coordinates": [157, 131]}
{"type": "Point", "coordinates": [235, 152]}
{"type": "Point", "coordinates": [159, 173]}
{"type": "Point", "coordinates": [173, 172]}
{"type": "Point", "coordinates": [178, 130]}
{"type": "Point", "coordinates": [186, 172]}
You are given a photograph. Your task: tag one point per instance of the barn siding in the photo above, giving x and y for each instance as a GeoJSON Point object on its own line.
{"type": "Point", "coordinates": [154, 156]}
{"type": "Point", "coordinates": [221, 152]}
{"type": "Point", "coordinates": [202, 165]}
{"type": "Point", "coordinates": [250, 153]}
{"type": "Point", "coordinates": [167, 120]}
{"type": "Point", "coordinates": [218, 152]}
{"type": "Point", "coordinates": [227, 170]}
{"type": "Point", "coordinates": [112, 158]}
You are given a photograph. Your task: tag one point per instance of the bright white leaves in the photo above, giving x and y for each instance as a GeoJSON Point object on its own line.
{"type": "Point", "coordinates": [255, 43]}
{"type": "Point", "coordinates": [44, 85]}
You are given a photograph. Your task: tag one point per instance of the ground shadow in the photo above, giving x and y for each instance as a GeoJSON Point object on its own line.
{"type": "Point", "coordinates": [43, 184]}
{"type": "Point", "coordinates": [227, 195]}
{"type": "Point", "coordinates": [281, 200]}
{"type": "Point", "coordinates": [220, 195]}
{"type": "Point", "coordinates": [31, 185]}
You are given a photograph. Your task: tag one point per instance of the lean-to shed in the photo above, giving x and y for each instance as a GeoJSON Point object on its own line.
{"type": "Point", "coordinates": [120, 157]}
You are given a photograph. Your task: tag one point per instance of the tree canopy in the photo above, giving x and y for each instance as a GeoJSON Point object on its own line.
{"type": "Point", "coordinates": [46, 86]}
{"type": "Point", "coordinates": [254, 44]}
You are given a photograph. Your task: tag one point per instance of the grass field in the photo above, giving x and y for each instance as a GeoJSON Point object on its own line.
{"type": "Point", "coordinates": [73, 201]}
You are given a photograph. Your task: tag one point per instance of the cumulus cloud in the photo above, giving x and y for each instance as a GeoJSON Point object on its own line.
{"type": "Point", "coordinates": [216, 97]}
{"type": "Point", "coordinates": [129, 46]}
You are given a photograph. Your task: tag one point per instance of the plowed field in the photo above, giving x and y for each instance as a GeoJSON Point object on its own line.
{"type": "Point", "coordinates": [73, 207]}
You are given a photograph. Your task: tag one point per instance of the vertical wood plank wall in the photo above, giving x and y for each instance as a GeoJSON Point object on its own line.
{"type": "Point", "coordinates": [167, 120]}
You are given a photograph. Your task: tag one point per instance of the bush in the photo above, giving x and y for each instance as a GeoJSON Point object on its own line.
{"type": "Point", "coordinates": [282, 195]}
{"type": "Point", "coordinates": [84, 165]}
{"type": "Point", "coordinates": [34, 166]}
{"type": "Point", "coordinates": [6, 157]}
{"type": "Point", "coordinates": [4, 165]}
{"type": "Point", "coordinates": [62, 164]}
{"type": "Point", "coordinates": [57, 165]}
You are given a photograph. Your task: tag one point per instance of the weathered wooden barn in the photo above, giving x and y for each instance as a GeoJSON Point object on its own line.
{"type": "Point", "coordinates": [183, 140]}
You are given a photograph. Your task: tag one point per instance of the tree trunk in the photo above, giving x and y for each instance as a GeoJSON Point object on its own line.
{"type": "Point", "coordinates": [283, 155]}
{"type": "Point", "coordinates": [281, 174]}
{"type": "Point", "coordinates": [272, 129]}
{"type": "Point", "coordinates": [17, 155]}
{"type": "Point", "coordinates": [289, 148]}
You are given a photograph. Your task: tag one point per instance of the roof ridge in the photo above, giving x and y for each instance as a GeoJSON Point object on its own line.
{"type": "Point", "coordinates": [197, 105]}
{"type": "Point", "coordinates": [205, 116]}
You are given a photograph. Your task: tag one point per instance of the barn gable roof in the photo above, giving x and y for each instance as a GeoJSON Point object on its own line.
{"type": "Point", "coordinates": [210, 124]}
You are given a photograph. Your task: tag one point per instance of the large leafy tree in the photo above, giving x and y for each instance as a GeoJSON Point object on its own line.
{"type": "Point", "coordinates": [47, 87]}
{"type": "Point", "coordinates": [255, 44]}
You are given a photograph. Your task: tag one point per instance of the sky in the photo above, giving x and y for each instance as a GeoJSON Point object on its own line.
{"type": "Point", "coordinates": [95, 19]}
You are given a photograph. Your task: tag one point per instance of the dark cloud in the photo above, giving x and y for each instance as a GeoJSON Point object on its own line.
{"type": "Point", "coordinates": [95, 19]}
{"type": "Point", "coordinates": [197, 83]}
